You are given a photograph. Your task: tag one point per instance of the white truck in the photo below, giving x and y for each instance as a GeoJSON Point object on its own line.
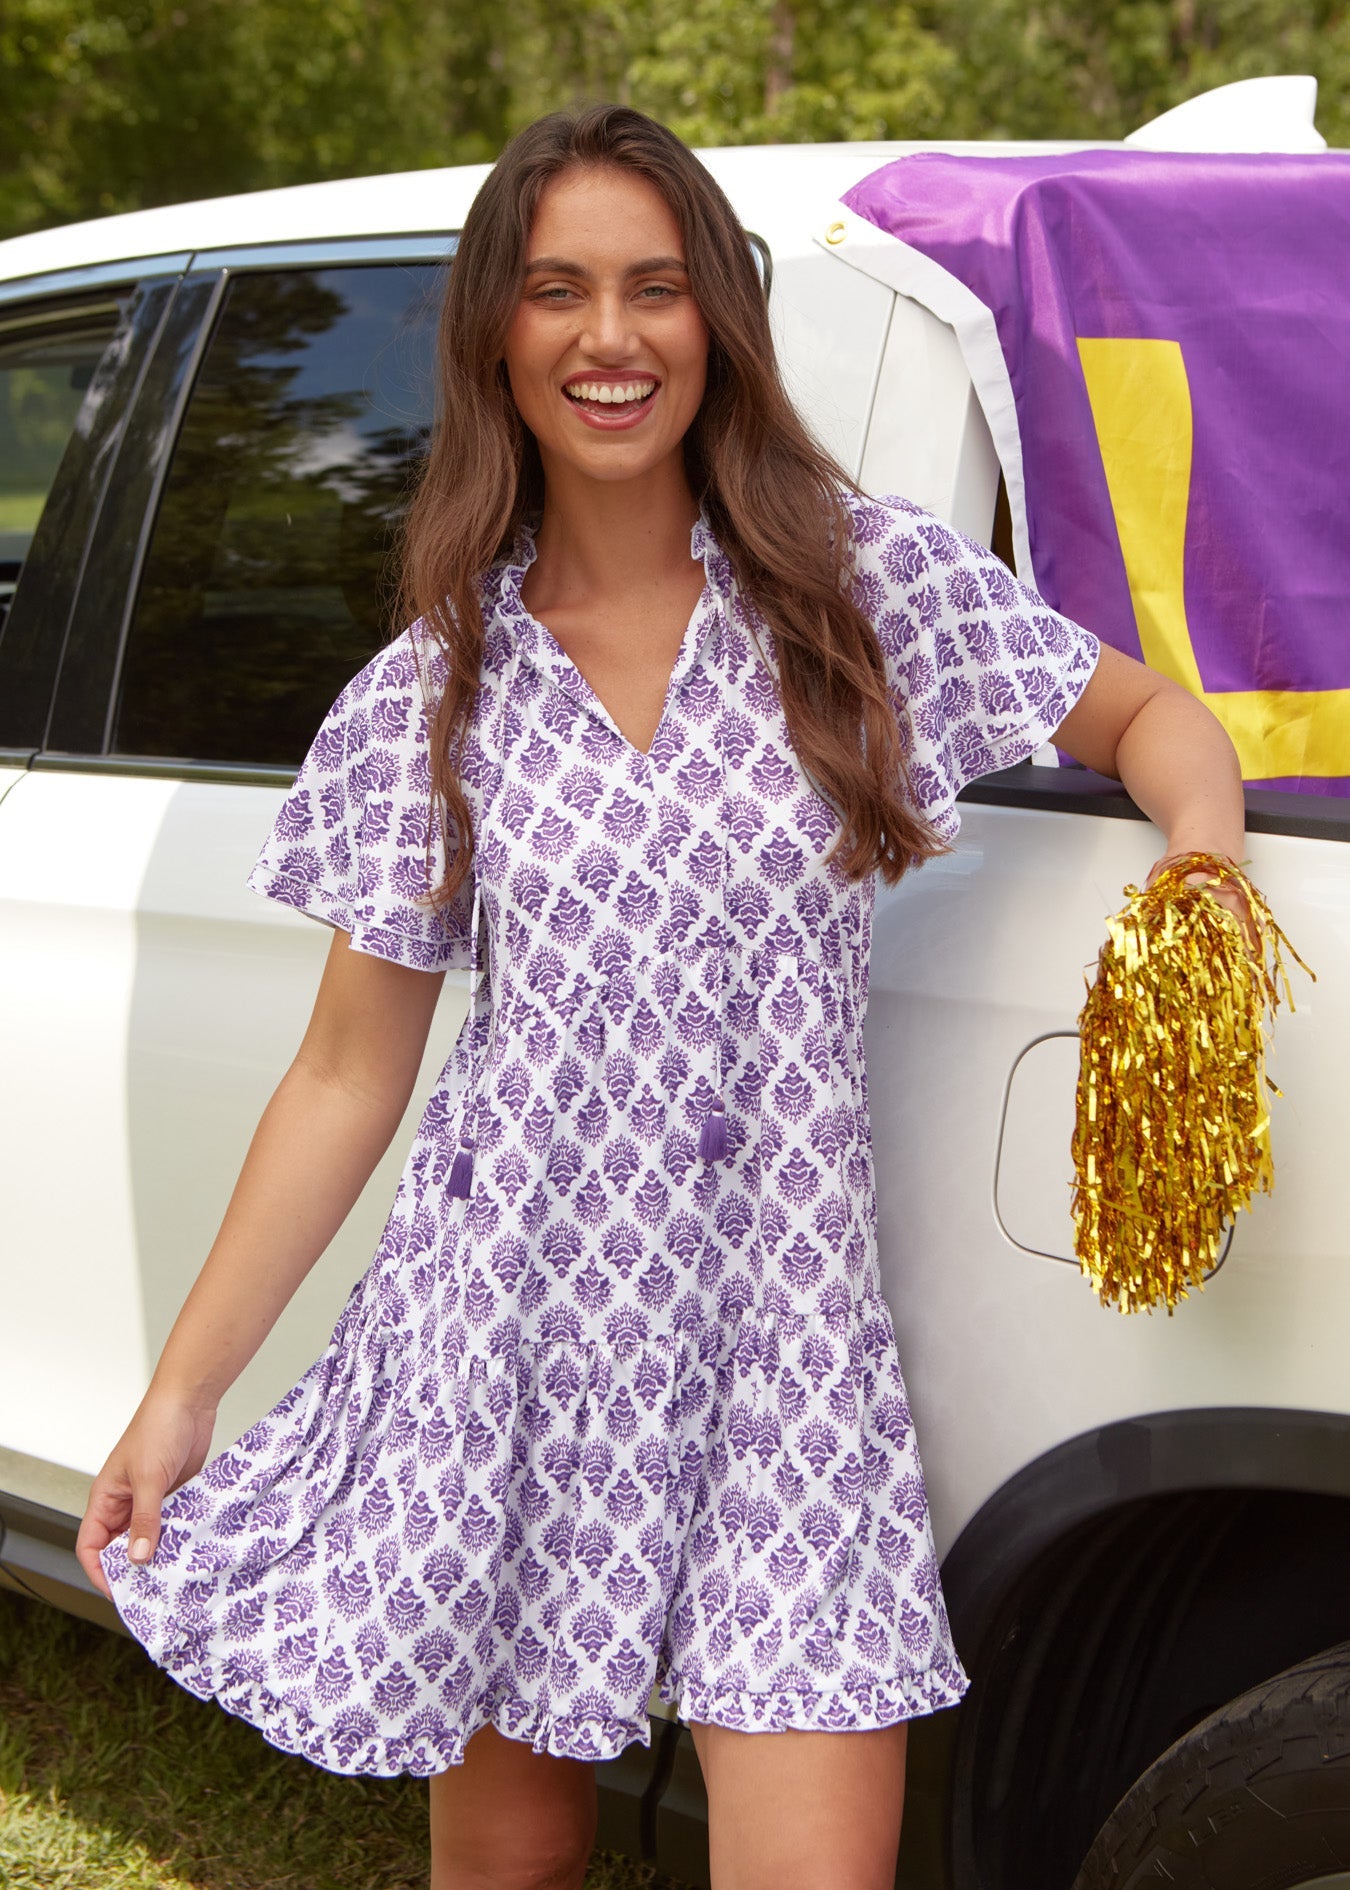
{"type": "Point", "coordinates": [208, 413]}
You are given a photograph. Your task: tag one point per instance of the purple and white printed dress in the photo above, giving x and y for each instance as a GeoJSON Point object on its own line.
{"type": "Point", "coordinates": [618, 1401]}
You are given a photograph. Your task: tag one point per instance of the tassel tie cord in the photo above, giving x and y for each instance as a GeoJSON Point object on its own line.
{"type": "Point", "coordinates": [712, 1141]}
{"type": "Point", "coordinates": [1173, 1130]}
{"type": "Point", "coordinates": [461, 1169]}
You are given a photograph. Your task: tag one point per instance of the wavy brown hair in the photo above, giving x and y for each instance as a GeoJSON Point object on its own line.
{"type": "Point", "coordinates": [772, 496]}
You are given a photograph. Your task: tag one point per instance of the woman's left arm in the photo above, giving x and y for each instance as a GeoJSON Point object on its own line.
{"type": "Point", "coordinates": [1173, 757]}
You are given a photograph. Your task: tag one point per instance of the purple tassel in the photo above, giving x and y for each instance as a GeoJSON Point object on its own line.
{"type": "Point", "coordinates": [712, 1144]}
{"type": "Point", "coordinates": [461, 1169]}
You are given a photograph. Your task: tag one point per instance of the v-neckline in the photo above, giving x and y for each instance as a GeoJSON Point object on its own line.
{"type": "Point", "coordinates": [565, 669]}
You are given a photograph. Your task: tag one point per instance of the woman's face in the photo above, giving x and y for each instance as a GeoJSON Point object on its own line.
{"type": "Point", "coordinates": [607, 353]}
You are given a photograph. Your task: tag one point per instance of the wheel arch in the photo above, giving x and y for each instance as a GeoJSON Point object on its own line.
{"type": "Point", "coordinates": [1124, 1517]}
{"type": "Point", "coordinates": [1155, 1454]}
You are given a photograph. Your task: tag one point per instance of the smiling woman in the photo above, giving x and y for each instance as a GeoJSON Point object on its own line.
{"type": "Point", "coordinates": [631, 330]}
{"type": "Point", "coordinates": [607, 362]}
{"type": "Point", "coordinates": [617, 1405]}
{"type": "Point", "coordinates": [598, 250]}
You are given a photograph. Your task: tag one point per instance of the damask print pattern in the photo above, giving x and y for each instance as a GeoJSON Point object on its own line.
{"type": "Point", "coordinates": [626, 1412]}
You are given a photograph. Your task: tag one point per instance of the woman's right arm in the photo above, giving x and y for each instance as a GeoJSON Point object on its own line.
{"type": "Point", "coordinates": [331, 1118]}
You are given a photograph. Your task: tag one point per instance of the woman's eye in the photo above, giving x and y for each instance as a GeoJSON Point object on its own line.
{"type": "Point", "coordinates": [656, 290]}
{"type": "Point", "coordinates": [552, 295]}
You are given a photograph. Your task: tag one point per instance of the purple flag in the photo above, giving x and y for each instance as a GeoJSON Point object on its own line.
{"type": "Point", "coordinates": [1175, 331]}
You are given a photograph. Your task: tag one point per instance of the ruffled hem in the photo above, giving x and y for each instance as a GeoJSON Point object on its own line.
{"type": "Point", "coordinates": [379, 931]}
{"type": "Point", "coordinates": [349, 1746]}
{"type": "Point", "coordinates": [408, 1539]}
{"type": "Point", "coordinates": [352, 1747]}
{"type": "Point", "coordinates": [865, 1707]}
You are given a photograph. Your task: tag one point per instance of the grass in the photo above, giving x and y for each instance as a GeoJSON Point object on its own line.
{"type": "Point", "coordinates": [112, 1777]}
{"type": "Point", "coordinates": [20, 511]}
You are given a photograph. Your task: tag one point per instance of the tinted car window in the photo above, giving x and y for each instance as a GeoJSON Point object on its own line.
{"type": "Point", "coordinates": [46, 366]}
{"type": "Point", "coordinates": [266, 583]}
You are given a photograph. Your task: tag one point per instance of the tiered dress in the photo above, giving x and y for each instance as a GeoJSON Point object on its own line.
{"type": "Point", "coordinates": [618, 1402]}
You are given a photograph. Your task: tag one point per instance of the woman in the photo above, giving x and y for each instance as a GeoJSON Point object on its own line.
{"type": "Point", "coordinates": [618, 1401]}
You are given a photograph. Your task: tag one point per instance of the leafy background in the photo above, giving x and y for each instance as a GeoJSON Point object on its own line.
{"type": "Point", "coordinates": [127, 103]}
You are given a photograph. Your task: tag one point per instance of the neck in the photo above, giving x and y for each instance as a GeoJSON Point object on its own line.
{"type": "Point", "coordinates": [609, 537]}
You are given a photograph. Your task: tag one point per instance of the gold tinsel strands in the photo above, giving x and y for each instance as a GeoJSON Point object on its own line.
{"type": "Point", "coordinates": [1173, 1127]}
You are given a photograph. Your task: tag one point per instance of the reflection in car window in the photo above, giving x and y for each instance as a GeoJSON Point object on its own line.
{"type": "Point", "coordinates": [46, 365]}
{"type": "Point", "coordinates": [266, 586]}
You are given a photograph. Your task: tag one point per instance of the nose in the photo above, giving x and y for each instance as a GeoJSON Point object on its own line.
{"type": "Point", "coordinates": [609, 333]}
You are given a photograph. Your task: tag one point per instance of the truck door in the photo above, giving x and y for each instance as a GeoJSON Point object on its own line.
{"type": "Point", "coordinates": [74, 350]}
{"type": "Point", "coordinates": [231, 585]}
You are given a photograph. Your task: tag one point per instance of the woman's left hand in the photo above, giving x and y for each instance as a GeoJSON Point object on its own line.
{"type": "Point", "coordinates": [1227, 894]}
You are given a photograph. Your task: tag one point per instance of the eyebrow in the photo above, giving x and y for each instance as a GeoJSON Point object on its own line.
{"type": "Point", "coordinates": [560, 266]}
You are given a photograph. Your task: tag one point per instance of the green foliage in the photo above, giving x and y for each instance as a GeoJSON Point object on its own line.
{"type": "Point", "coordinates": [113, 104]}
{"type": "Point", "coordinates": [1098, 68]}
{"type": "Point", "coordinates": [792, 71]}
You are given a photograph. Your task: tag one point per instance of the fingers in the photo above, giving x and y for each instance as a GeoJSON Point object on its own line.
{"type": "Point", "coordinates": [87, 1545]}
{"type": "Point", "coordinates": [166, 1442]}
{"type": "Point", "coordinates": [105, 1516]}
{"type": "Point", "coordinates": [1234, 900]}
{"type": "Point", "coordinates": [1228, 894]}
{"type": "Point", "coordinates": [120, 1499]}
{"type": "Point", "coordinates": [1194, 878]}
{"type": "Point", "coordinates": [147, 1495]}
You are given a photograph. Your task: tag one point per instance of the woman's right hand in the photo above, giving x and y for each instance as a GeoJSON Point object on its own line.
{"type": "Point", "coordinates": [165, 1443]}
{"type": "Point", "coordinates": [330, 1120]}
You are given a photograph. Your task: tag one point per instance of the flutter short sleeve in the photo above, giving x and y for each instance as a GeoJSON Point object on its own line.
{"type": "Point", "coordinates": [354, 843]}
{"type": "Point", "coordinates": [984, 668]}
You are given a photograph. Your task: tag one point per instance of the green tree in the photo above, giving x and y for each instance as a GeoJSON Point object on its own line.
{"type": "Point", "coordinates": [114, 104]}
{"type": "Point", "coordinates": [1084, 69]}
{"type": "Point", "coordinates": [792, 71]}
{"type": "Point", "coordinates": [112, 107]}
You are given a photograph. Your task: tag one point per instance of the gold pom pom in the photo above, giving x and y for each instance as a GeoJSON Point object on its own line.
{"type": "Point", "coordinates": [1173, 1128]}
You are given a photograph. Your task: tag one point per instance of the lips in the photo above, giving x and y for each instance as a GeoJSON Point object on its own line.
{"type": "Point", "coordinates": [608, 403]}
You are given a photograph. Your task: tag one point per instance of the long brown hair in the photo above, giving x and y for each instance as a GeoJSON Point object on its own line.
{"type": "Point", "coordinates": [771, 495]}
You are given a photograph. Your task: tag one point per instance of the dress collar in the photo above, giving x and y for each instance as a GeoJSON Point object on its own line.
{"type": "Point", "coordinates": [533, 643]}
{"type": "Point", "coordinates": [702, 544]}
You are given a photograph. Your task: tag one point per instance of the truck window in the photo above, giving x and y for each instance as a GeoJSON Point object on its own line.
{"type": "Point", "coordinates": [266, 583]}
{"type": "Point", "coordinates": [47, 362]}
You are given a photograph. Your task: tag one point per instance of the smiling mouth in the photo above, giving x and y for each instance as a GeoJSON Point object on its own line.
{"type": "Point", "coordinates": [610, 397]}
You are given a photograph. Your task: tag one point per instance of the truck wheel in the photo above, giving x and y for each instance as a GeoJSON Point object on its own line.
{"type": "Point", "coordinates": [1256, 1797]}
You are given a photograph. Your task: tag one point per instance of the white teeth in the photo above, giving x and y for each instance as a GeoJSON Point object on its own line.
{"type": "Point", "coordinates": [607, 394]}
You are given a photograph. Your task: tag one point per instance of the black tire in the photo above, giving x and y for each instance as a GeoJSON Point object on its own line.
{"type": "Point", "coordinates": [1256, 1797]}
